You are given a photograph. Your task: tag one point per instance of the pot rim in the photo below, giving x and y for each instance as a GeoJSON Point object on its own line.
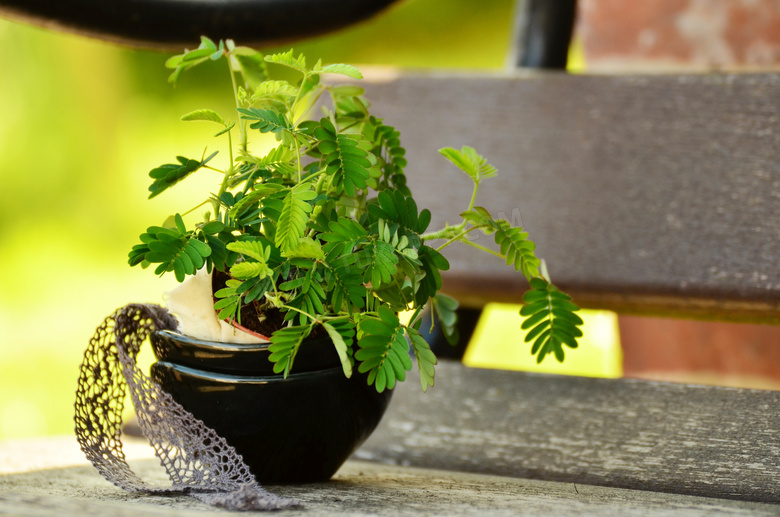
{"type": "Point", "coordinates": [224, 378]}
{"type": "Point", "coordinates": [222, 346]}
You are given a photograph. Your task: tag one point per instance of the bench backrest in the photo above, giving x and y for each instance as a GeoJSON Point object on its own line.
{"type": "Point", "coordinates": [646, 194]}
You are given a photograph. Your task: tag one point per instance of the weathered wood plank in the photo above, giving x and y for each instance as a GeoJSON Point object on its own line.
{"type": "Point", "coordinates": [361, 489]}
{"type": "Point", "coordinates": [674, 438]}
{"type": "Point", "coordinates": [646, 194]}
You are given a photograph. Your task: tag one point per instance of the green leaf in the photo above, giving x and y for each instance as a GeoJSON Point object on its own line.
{"type": "Point", "coordinates": [432, 263]}
{"type": "Point", "coordinates": [252, 64]}
{"type": "Point", "coordinates": [180, 223]}
{"type": "Point", "coordinates": [379, 260]}
{"type": "Point", "coordinates": [469, 162]}
{"type": "Point", "coordinates": [426, 359]}
{"type": "Point", "coordinates": [169, 174]}
{"type": "Point", "coordinates": [383, 350]}
{"type": "Point", "coordinates": [306, 248]}
{"type": "Point", "coordinates": [206, 50]}
{"type": "Point", "coordinates": [513, 242]}
{"type": "Point", "coordinates": [348, 70]}
{"type": "Point", "coordinates": [340, 343]}
{"type": "Point", "coordinates": [445, 308]}
{"type": "Point", "coordinates": [289, 60]}
{"type": "Point", "coordinates": [259, 192]}
{"type": "Point", "coordinates": [225, 129]}
{"type": "Point", "coordinates": [212, 227]}
{"type": "Point", "coordinates": [346, 157]}
{"type": "Point", "coordinates": [207, 43]}
{"type": "Point", "coordinates": [518, 250]}
{"type": "Point", "coordinates": [247, 270]}
{"type": "Point", "coordinates": [309, 299]}
{"type": "Point", "coordinates": [549, 314]}
{"type": "Point", "coordinates": [344, 235]}
{"type": "Point", "coordinates": [252, 249]}
{"type": "Point", "coordinates": [284, 347]}
{"type": "Point", "coordinates": [203, 249]}
{"type": "Point", "coordinates": [268, 121]}
{"type": "Point", "coordinates": [293, 217]}
{"type": "Point", "coordinates": [394, 206]}
{"type": "Point", "coordinates": [274, 90]}
{"type": "Point", "coordinates": [345, 284]}
{"type": "Point", "coordinates": [347, 90]}
{"type": "Point", "coordinates": [204, 114]}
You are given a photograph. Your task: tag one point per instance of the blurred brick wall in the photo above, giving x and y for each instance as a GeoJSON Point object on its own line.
{"type": "Point", "coordinates": [675, 34]}
{"type": "Point", "coordinates": [679, 36]}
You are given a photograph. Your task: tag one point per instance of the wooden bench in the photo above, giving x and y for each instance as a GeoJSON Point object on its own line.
{"type": "Point", "coordinates": [647, 194]}
{"type": "Point", "coordinates": [656, 195]}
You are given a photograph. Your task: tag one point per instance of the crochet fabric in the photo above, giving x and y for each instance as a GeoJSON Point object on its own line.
{"type": "Point", "coordinates": [198, 461]}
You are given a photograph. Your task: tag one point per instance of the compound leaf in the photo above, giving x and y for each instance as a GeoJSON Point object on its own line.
{"type": "Point", "coordinates": [383, 350]}
{"type": "Point", "coordinates": [550, 314]}
{"type": "Point", "coordinates": [293, 217]}
{"type": "Point", "coordinates": [426, 359]}
{"type": "Point", "coordinates": [284, 347]}
{"type": "Point", "coordinates": [469, 162]}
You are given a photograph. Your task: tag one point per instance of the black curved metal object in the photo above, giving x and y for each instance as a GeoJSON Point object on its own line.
{"type": "Point", "coordinates": [545, 33]}
{"type": "Point", "coordinates": [175, 24]}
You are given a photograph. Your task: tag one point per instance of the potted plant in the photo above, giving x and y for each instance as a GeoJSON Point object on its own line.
{"type": "Point", "coordinates": [317, 245]}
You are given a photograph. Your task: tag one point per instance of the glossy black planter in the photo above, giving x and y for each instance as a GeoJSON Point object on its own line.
{"type": "Point", "coordinates": [294, 430]}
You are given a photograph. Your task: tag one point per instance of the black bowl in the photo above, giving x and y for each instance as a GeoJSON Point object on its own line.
{"type": "Point", "coordinates": [294, 430]}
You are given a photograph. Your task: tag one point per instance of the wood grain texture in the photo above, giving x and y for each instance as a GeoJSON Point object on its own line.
{"type": "Point", "coordinates": [363, 489]}
{"type": "Point", "coordinates": [673, 438]}
{"type": "Point", "coordinates": [646, 194]}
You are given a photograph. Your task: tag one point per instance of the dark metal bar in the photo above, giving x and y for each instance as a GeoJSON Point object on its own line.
{"type": "Point", "coordinates": [545, 33]}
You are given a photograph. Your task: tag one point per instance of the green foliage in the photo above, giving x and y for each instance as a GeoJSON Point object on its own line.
{"type": "Point", "coordinates": [204, 114]}
{"type": "Point", "coordinates": [444, 307]}
{"type": "Point", "coordinates": [294, 216]}
{"type": "Point", "coordinates": [175, 249]}
{"type": "Point", "coordinates": [267, 121]}
{"type": "Point", "coordinates": [324, 228]}
{"type": "Point", "coordinates": [513, 242]}
{"type": "Point", "coordinates": [342, 333]}
{"type": "Point", "coordinates": [169, 174]}
{"type": "Point", "coordinates": [469, 162]}
{"type": "Point", "coordinates": [288, 59]}
{"type": "Point", "coordinates": [550, 314]}
{"type": "Point", "coordinates": [342, 69]}
{"type": "Point", "coordinates": [284, 346]}
{"type": "Point", "coordinates": [383, 351]}
{"type": "Point", "coordinates": [426, 360]}
{"type": "Point", "coordinates": [346, 156]}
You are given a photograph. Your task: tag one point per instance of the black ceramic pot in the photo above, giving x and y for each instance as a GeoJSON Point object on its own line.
{"type": "Point", "coordinates": [294, 430]}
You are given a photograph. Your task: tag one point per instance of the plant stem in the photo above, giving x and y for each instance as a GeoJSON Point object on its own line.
{"type": "Point", "coordinates": [415, 315]}
{"type": "Point", "coordinates": [315, 320]}
{"type": "Point", "coordinates": [241, 122]}
{"type": "Point", "coordinates": [473, 195]}
{"type": "Point", "coordinates": [194, 208]}
{"type": "Point", "coordinates": [228, 173]}
{"type": "Point", "coordinates": [298, 153]}
{"type": "Point", "coordinates": [486, 250]}
{"type": "Point", "coordinates": [457, 237]}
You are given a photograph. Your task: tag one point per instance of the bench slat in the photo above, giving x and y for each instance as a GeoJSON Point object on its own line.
{"type": "Point", "coordinates": [674, 438]}
{"type": "Point", "coordinates": [646, 194]}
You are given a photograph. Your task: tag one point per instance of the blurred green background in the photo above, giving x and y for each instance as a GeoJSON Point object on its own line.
{"type": "Point", "coordinates": [81, 124]}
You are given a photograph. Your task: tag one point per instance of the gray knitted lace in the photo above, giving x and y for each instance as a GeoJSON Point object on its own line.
{"type": "Point", "coordinates": [198, 461]}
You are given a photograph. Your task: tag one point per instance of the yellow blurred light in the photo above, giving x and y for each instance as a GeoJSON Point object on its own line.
{"type": "Point", "coordinates": [498, 343]}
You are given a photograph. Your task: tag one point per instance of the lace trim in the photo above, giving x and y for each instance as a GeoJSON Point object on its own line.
{"type": "Point", "coordinates": [199, 462]}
